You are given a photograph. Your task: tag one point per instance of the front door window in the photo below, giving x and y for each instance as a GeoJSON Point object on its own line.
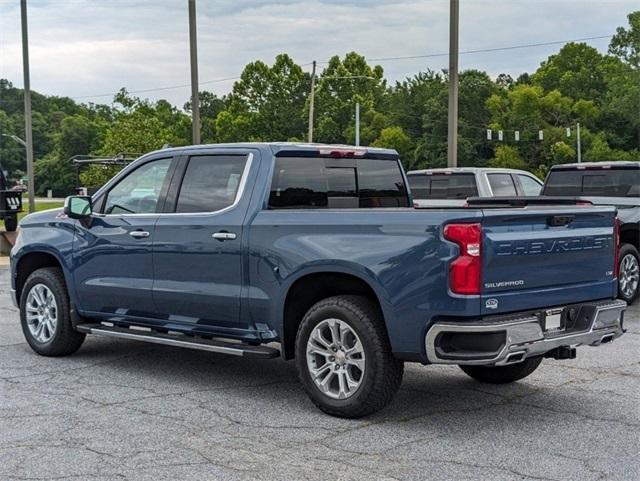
{"type": "Point", "coordinates": [138, 192]}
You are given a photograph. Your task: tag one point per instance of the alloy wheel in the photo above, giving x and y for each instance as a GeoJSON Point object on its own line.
{"type": "Point", "coordinates": [41, 313]}
{"type": "Point", "coordinates": [335, 359]}
{"type": "Point", "coordinates": [629, 275]}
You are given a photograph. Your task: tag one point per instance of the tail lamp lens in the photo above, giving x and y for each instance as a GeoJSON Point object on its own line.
{"type": "Point", "coordinates": [465, 271]}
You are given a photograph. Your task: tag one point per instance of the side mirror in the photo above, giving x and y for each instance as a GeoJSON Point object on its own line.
{"type": "Point", "coordinates": [77, 207]}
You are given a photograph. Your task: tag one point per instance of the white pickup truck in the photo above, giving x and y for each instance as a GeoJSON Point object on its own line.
{"type": "Point", "coordinates": [451, 187]}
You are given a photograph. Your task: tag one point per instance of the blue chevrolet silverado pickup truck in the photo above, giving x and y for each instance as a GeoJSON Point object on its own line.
{"type": "Point", "coordinates": [314, 252]}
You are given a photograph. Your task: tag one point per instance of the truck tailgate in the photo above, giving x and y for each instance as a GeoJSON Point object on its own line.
{"type": "Point", "coordinates": [546, 256]}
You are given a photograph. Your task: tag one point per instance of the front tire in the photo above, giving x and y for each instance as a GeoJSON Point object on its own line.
{"type": "Point", "coordinates": [503, 374]}
{"type": "Point", "coordinates": [45, 314]}
{"type": "Point", "coordinates": [344, 358]}
{"type": "Point", "coordinates": [628, 273]}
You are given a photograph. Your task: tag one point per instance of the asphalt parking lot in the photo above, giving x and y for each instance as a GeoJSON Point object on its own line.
{"type": "Point", "coordinates": [127, 410]}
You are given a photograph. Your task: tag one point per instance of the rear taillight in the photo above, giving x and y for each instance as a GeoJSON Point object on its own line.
{"type": "Point", "coordinates": [465, 271]}
{"type": "Point", "coordinates": [616, 247]}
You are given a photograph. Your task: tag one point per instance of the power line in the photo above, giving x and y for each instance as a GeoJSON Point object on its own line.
{"type": "Point", "coordinates": [157, 89]}
{"type": "Point", "coordinates": [486, 50]}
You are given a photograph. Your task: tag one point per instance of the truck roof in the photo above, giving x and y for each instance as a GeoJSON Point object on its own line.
{"type": "Point", "coordinates": [598, 165]}
{"type": "Point", "coordinates": [277, 147]}
{"type": "Point", "coordinates": [463, 170]}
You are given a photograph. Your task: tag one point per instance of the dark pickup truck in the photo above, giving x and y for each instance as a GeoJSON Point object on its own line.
{"type": "Point", "coordinates": [10, 204]}
{"type": "Point", "coordinates": [608, 183]}
{"type": "Point", "coordinates": [314, 252]}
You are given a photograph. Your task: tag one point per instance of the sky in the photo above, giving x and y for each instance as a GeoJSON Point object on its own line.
{"type": "Point", "coordinates": [89, 49]}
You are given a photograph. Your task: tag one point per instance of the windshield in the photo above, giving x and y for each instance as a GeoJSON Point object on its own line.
{"type": "Point", "coordinates": [442, 186]}
{"type": "Point", "coordinates": [596, 182]}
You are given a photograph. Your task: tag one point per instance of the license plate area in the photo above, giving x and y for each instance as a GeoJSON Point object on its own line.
{"type": "Point", "coordinates": [553, 321]}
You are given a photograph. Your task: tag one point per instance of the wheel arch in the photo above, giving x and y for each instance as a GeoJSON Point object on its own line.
{"type": "Point", "coordinates": [31, 261]}
{"type": "Point", "coordinates": [630, 234]}
{"type": "Point", "coordinates": [314, 284]}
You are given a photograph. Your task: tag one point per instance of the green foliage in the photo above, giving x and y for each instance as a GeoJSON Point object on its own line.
{"type": "Point", "coordinates": [625, 44]}
{"type": "Point", "coordinates": [507, 157]}
{"type": "Point", "coordinates": [395, 138]}
{"type": "Point", "coordinates": [341, 85]}
{"type": "Point", "coordinates": [51, 174]}
{"type": "Point", "coordinates": [267, 103]}
{"type": "Point", "coordinates": [97, 175]}
{"type": "Point", "coordinates": [576, 71]}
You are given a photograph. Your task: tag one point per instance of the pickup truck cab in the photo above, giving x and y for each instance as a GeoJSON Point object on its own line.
{"type": "Point", "coordinates": [608, 183]}
{"type": "Point", "coordinates": [314, 252]}
{"type": "Point", "coordinates": [452, 186]}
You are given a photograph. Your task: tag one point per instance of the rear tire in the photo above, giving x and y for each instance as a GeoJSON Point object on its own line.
{"type": "Point", "coordinates": [503, 374]}
{"type": "Point", "coordinates": [628, 273]}
{"type": "Point", "coordinates": [45, 314]}
{"type": "Point", "coordinates": [355, 371]}
{"type": "Point", "coordinates": [11, 223]}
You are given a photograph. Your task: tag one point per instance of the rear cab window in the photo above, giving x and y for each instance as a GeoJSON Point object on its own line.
{"type": "Point", "coordinates": [443, 185]}
{"type": "Point", "coordinates": [328, 183]}
{"type": "Point", "coordinates": [596, 182]}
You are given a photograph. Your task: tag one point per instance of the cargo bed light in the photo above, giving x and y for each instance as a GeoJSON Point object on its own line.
{"type": "Point", "coordinates": [342, 152]}
{"type": "Point", "coordinates": [465, 272]}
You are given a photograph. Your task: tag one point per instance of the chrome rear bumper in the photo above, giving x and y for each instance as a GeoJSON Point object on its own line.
{"type": "Point", "coordinates": [509, 339]}
{"type": "Point", "coordinates": [14, 298]}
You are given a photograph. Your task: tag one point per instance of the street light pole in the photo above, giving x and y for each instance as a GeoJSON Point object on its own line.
{"type": "Point", "coordinates": [579, 142]}
{"type": "Point", "coordinates": [312, 96]}
{"type": "Point", "coordinates": [27, 106]}
{"type": "Point", "coordinates": [452, 150]}
{"type": "Point", "coordinates": [195, 96]}
{"type": "Point", "coordinates": [357, 124]}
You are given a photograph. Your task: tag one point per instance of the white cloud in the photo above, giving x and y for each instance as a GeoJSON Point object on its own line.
{"type": "Point", "coordinates": [86, 47]}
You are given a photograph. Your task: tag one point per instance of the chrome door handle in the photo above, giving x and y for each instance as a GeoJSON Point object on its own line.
{"type": "Point", "coordinates": [139, 234]}
{"type": "Point", "coordinates": [223, 236]}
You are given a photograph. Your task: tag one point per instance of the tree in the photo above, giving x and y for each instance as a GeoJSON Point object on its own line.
{"type": "Point", "coordinates": [267, 103]}
{"type": "Point", "coordinates": [625, 44]}
{"type": "Point", "coordinates": [576, 71]}
{"type": "Point", "coordinates": [507, 157]}
{"type": "Point", "coordinates": [395, 138]}
{"type": "Point", "coordinates": [340, 86]}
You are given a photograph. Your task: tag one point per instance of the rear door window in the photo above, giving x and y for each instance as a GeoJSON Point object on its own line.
{"type": "Point", "coordinates": [315, 183]}
{"type": "Point", "coordinates": [444, 186]}
{"type": "Point", "coordinates": [502, 185]}
{"type": "Point", "coordinates": [210, 183]}
{"type": "Point", "coordinates": [530, 186]}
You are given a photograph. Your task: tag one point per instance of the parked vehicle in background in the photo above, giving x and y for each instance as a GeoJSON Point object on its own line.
{"type": "Point", "coordinates": [19, 188]}
{"type": "Point", "coordinates": [10, 203]}
{"type": "Point", "coordinates": [451, 187]}
{"type": "Point", "coordinates": [608, 183]}
{"type": "Point", "coordinates": [229, 248]}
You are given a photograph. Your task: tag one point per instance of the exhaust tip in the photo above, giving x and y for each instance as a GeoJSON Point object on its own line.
{"type": "Point", "coordinates": [515, 357]}
{"type": "Point", "coordinates": [606, 338]}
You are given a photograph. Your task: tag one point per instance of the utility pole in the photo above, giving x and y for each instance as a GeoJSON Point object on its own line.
{"type": "Point", "coordinates": [195, 97]}
{"type": "Point", "coordinates": [312, 95]}
{"type": "Point", "coordinates": [27, 107]}
{"type": "Point", "coordinates": [452, 151]}
{"type": "Point", "coordinates": [357, 124]}
{"type": "Point", "coordinates": [579, 142]}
